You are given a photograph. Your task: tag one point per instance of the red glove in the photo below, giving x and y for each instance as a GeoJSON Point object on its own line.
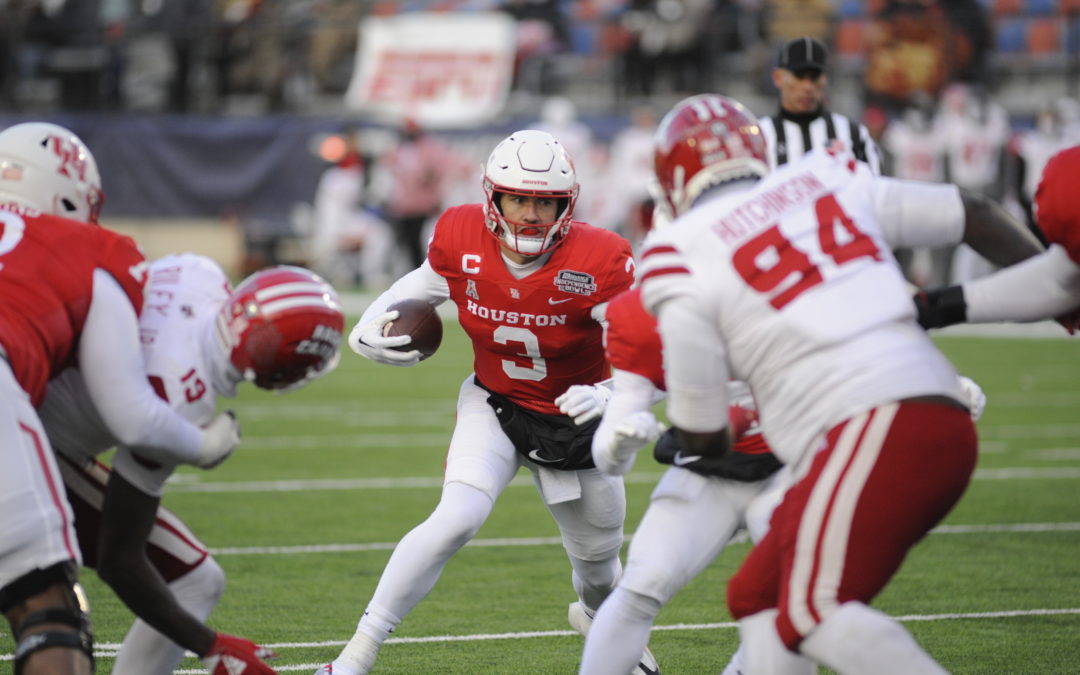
{"type": "Point", "coordinates": [231, 655]}
{"type": "Point", "coordinates": [1070, 321]}
{"type": "Point", "coordinates": [740, 419]}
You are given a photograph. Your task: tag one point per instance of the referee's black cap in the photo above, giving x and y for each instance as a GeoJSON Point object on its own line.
{"type": "Point", "coordinates": [804, 53]}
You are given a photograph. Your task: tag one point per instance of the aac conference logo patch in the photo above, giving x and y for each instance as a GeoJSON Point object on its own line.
{"type": "Point", "coordinates": [580, 283]}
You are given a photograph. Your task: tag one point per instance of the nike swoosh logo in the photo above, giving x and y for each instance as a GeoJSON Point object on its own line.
{"type": "Point", "coordinates": [682, 460]}
{"type": "Point", "coordinates": [553, 301]}
{"type": "Point", "coordinates": [534, 455]}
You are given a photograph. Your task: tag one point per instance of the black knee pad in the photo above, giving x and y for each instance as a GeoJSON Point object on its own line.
{"type": "Point", "coordinates": [81, 638]}
{"type": "Point", "coordinates": [74, 615]}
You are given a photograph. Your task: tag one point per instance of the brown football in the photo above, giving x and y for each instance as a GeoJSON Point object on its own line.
{"type": "Point", "coordinates": [420, 320]}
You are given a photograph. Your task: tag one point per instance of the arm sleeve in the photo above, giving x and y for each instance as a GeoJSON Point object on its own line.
{"type": "Point", "coordinates": [695, 366]}
{"type": "Point", "coordinates": [914, 214]}
{"type": "Point", "coordinates": [632, 393]}
{"type": "Point", "coordinates": [111, 361]}
{"type": "Point", "coordinates": [1042, 287]}
{"type": "Point", "coordinates": [423, 283]}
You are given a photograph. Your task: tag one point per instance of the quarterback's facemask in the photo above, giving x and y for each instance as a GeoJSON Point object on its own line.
{"type": "Point", "coordinates": [706, 140]}
{"type": "Point", "coordinates": [530, 163]}
{"type": "Point", "coordinates": [281, 328]}
{"type": "Point", "coordinates": [46, 167]}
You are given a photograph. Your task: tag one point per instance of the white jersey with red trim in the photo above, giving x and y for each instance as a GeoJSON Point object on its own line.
{"type": "Point", "coordinates": [183, 294]}
{"type": "Point", "coordinates": [793, 289]}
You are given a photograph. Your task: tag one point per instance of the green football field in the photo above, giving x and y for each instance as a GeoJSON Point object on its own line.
{"type": "Point", "coordinates": [305, 514]}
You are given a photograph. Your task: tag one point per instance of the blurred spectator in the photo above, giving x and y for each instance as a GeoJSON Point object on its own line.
{"type": "Point", "coordinates": [976, 131]}
{"type": "Point", "coordinates": [665, 39]}
{"type": "Point", "coordinates": [559, 117]}
{"type": "Point", "coordinates": [970, 41]}
{"type": "Point", "coordinates": [628, 203]}
{"type": "Point", "coordinates": [541, 34]}
{"type": "Point", "coordinates": [914, 146]}
{"type": "Point", "coordinates": [333, 43]}
{"type": "Point", "coordinates": [66, 41]}
{"type": "Point", "coordinates": [906, 52]}
{"type": "Point", "coordinates": [348, 243]}
{"type": "Point", "coordinates": [414, 176]}
{"type": "Point", "coordinates": [1033, 148]}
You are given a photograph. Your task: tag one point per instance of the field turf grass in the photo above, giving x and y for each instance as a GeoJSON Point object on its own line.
{"type": "Point", "coordinates": [304, 516]}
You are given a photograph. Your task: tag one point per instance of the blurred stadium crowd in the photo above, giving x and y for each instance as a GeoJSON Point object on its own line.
{"type": "Point", "coordinates": [977, 92]}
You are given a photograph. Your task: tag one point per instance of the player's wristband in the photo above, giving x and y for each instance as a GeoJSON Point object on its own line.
{"type": "Point", "coordinates": [941, 307]}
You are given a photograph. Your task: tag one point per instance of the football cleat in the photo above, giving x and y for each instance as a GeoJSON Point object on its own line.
{"type": "Point", "coordinates": [580, 620]}
{"type": "Point", "coordinates": [328, 669]}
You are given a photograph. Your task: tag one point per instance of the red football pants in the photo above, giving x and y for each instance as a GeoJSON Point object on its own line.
{"type": "Point", "coordinates": [883, 480]}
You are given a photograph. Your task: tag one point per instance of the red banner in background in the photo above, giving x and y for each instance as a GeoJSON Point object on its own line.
{"type": "Point", "coordinates": [441, 70]}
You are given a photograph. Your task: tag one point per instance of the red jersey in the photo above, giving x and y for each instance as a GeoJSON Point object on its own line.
{"type": "Point", "coordinates": [46, 284]}
{"type": "Point", "coordinates": [633, 341]}
{"type": "Point", "coordinates": [532, 337]}
{"type": "Point", "coordinates": [633, 345]}
{"type": "Point", "coordinates": [1055, 202]}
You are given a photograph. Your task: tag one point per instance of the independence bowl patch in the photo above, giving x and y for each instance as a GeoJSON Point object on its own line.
{"type": "Point", "coordinates": [575, 282]}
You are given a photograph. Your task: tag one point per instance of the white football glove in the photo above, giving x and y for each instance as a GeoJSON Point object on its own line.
{"type": "Point", "coordinates": [368, 340]}
{"type": "Point", "coordinates": [632, 433]}
{"type": "Point", "coordinates": [976, 399]}
{"type": "Point", "coordinates": [220, 437]}
{"type": "Point", "coordinates": [584, 402]}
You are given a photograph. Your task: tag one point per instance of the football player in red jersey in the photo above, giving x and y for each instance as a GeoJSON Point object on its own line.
{"type": "Point", "coordinates": [279, 329]}
{"type": "Point", "coordinates": [1047, 286]}
{"type": "Point", "coordinates": [786, 279]}
{"type": "Point", "coordinates": [528, 282]}
{"type": "Point", "coordinates": [69, 293]}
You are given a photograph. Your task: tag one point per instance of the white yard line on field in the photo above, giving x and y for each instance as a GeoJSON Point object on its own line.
{"type": "Point", "coordinates": [192, 482]}
{"type": "Point", "coordinates": [109, 650]}
{"type": "Point", "coordinates": [556, 541]}
{"type": "Point", "coordinates": [440, 438]}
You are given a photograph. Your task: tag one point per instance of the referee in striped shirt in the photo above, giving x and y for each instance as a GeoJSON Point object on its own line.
{"type": "Point", "coordinates": [803, 122]}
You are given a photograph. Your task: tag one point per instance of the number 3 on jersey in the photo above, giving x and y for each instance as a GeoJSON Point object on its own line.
{"type": "Point", "coordinates": [770, 264]}
{"type": "Point", "coordinates": [538, 371]}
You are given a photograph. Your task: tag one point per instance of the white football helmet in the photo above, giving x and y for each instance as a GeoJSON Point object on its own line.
{"type": "Point", "coordinates": [48, 168]}
{"type": "Point", "coordinates": [530, 163]}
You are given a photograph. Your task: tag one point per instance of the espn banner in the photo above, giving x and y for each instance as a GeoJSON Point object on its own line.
{"type": "Point", "coordinates": [442, 70]}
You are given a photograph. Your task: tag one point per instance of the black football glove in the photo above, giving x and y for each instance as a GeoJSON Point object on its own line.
{"type": "Point", "coordinates": [941, 307]}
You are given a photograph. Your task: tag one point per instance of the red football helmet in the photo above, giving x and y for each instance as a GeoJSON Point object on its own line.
{"type": "Point", "coordinates": [282, 328]}
{"type": "Point", "coordinates": [703, 141]}
{"type": "Point", "coordinates": [1055, 201]}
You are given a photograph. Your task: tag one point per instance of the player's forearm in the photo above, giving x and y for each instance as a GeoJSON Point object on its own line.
{"type": "Point", "coordinates": [1040, 288]}
{"type": "Point", "coordinates": [994, 234]}
{"type": "Point", "coordinates": [127, 518]}
{"type": "Point", "coordinates": [695, 368]}
{"type": "Point", "coordinates": [422, 283]}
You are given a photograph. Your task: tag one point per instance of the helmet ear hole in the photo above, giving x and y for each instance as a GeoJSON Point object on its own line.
{"type": "Point", "coordinates": [68, 205]}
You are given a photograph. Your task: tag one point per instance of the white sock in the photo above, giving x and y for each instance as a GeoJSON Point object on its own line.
{"type": "Point", "coordinates": [413, 569]}
{"type": "Point", "coordinates": [593, 580]}
{"type": "Point", "coordinates": [619, 633]}
{"type": "Point", "coordinates": [764, 651]}
{"type": "Point", "coordinates": [737, 664]}
{"type": "Point", "coordinates": [146, 651]}
{"type": "Point", "coordinates": [859, 639]}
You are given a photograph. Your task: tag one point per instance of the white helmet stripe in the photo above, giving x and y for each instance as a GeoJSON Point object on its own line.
{"type": "Point", "coordinates": [291, 288]}
{"type": "Point", "coordinates": [275, 306]}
